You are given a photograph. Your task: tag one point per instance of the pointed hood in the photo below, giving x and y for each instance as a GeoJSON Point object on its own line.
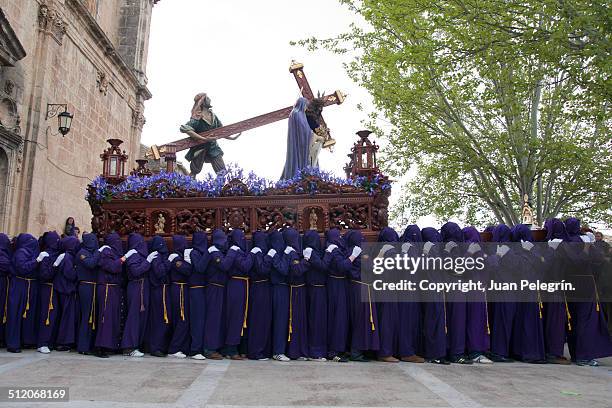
{"type": "Point", "coordinates": [260, 240]}
{"type": "Point", "coordinates": [431, 235]}
{"type": "Point", "coordinates": [501, 233]}
{"type": "Point", "coordinates": [333, 237]}
{"type": "Point", "coordinates": [90, 242]}
{"type": "Point", "coordinates": [412, 233]}
{"type": "Point", "coordinates": [159, 244]}
{"type": "Point", "coordinates": [292, 239]}
{"type": "Point", "coordinates": [179, 244]}
{"type": "Point", "coordinates": [451, 232]}
{"type": "Point", "coordinates": [70, 245]}
{"type": "Point", "coordinates": [114, 241]}
{"type": "Point", "coordinates": [237, 238]}
{"type": "Point", "coordinates": [470, 234]}
{"type": "Point", "coordinates": [522, 232]}
{"type": "Point", "coordinates": [200, 241]}
{"type": "Point", "coordinates": [219, 239]}
{"type": "Point", "coordinates": [275, 239]}
{"type": "Point", "coordinates": [137, 242]}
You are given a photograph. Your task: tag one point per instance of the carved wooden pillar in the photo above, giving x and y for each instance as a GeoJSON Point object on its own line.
{"type": "Point", "coordinates": [170, 157]}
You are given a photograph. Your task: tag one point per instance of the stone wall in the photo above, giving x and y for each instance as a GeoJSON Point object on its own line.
{"type": "Point", "coordinates": [73, 57]}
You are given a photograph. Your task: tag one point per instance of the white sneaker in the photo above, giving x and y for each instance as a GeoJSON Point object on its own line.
{"type": "Point", "coordinates": [263, 359]}
{"type": "Point", "coordinates": [198, 357]}
{"type": "Point", "coordinates": [136, 353]}
{"type": "Point", "coordinates": [319, 359]}
{"type": "Point", "coordinates": [303, 359]}
{"type": "Point", "coordinates": [482, 359]}
{"type": "Point", "coordinates": [281, 357]}
{"type": "Point", "coordinates": [178, 354]}
{"type": "Point", "coordinates": [44, 350]}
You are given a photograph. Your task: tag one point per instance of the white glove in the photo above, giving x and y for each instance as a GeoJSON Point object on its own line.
{"type": "Point", "coordinates": [356, 252]}
{"type": "Point", "coordinates": [59, 260]}
{"type": "Point", "coordinates": [42, 256]}
{"type": "Point", "coordinates": [406, 246]}
{"type": "Point", "coordinates": [187, 255]}
{"type": "Point", "coordinates": [450, 245]}
{"type": "Point", "coordinates": [288, 250]}
{"type": "Point", "coordinates": [103, 247]}
{"type": "Point", "coordinates": [473, 248]}
{"type": "Point", "coordinates": [212, 249]}
{"type": "Point", "coordinates": [383, 250]}
{"type": "Point", "coordinates": [502, 250]}
{"type": "Point", "coordinates": [307, 253]}
{"type": "Point", "coordinates": [427, 247]}
{"type": "Point", "coordinates": [527, 245]}
{"type": "Point", "coordinates": [331, 248]}
{"type": "Point", "coordinates": [152, 256]}
{"type": "Point", "coordinates": [554, 243]}
{"type": "Point", "coordinates": [130, 253]}
{"type": "Point", "coordinates": [172, 257]}
{"type": "Point", "coordinates": [255, 250]}
{"type": "Point", "coordinates": [235, 248]}
{"type": "Point", "coordinates": [272, 252]}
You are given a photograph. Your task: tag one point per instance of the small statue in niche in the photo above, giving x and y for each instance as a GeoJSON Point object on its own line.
{"type": "Point", "coordinates": [160, 225]}
{"type": "Point", "coordinates": [313, 220]}
{"type": "Point", "coordinates": [527, 215]}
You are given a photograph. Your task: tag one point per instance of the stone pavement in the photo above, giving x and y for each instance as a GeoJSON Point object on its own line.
{"type": "Point", "coordinates": [159, 383]}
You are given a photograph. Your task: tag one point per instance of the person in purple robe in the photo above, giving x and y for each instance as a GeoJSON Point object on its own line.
{"type": "Point", "coordinates": [109, 296]}
{"type": "Point", "coordinates": [478, 328]}
{"type": "Point", "coordinates": [528, 334]}
{"type": "Point", "coordinates": [388, 310]}
{"type": "Point", "coordinates": [49, 311]}
{"type": "Point", "coordinates": [280, 296]}
{"type": "Point", "coordinates": [180, 272]}
{"type": "Point", "coordinates": [589, 338]}
{"type": "Point", "coordinates": [556, 310]}
{"type": "Point", "coordinates": [298, 140]}
{"type": "Point", "coordinates": [159, 325]}
{"type": "Point", "coordinates": [297, 339]}
{"type": "Point", "coordinates": [260, 300]}
{"type": "Point", "coordinates": [315, 265]}
{"type": "Point", "coordinates": [456, 302]}
{"type": "Point", "coordinates": [503, 311]}
{"type": "Point", "coordinates": [434, 306]}
{"type": "Point", "coordinates": [86, 264]}
{"type": "Point", "coordinates": [237, 295]}
{"type": "Point", "coordinates": [337, 298]}
{"type": "Point", "coordinates": [219, 267]}
{"type": "Point", "coordinates": [137, 268]}
{"type": "Point", "coordinates": [5, 272]}
{"type": "Point", "coordinates": [65, 284]}
{"type": "Point", "coordinates": [409, 309]}
{"type": "Point", "coordinates": [362, 308]}
{"type": "Point", "coordinates": [200, 258]}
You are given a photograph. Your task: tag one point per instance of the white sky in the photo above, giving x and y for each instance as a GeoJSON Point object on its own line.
{"type": "Point", "coordinates": [238, 52]}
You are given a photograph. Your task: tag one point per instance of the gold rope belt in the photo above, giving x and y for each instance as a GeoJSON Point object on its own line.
{"type": "Point", "coordinates": [92, 311]}
{"type": "Point", "coordinates": [261, 281]}
{"type": "Point", "coordinates": [142, 307]}
{"type": "Point", "coordinates": [106, 297]}
{"type": "Point", "coordinates": [369, 301]}
{"type": "Point", "coordinates": [596, 291]}
{"type": "Point", "coordinates": [182, 298]}
{"type": "Point", "coordinates": [444, 304]}
{"type": "Point", "coordinates": [540, 304]}
{"type": "Point", "coordinates": [6, 300]}
{"type": "Point", "coordinates": [164, 302]}
{"type": "Point", "coordinates": [50, 306]}
{"type": "Point", "coordinates": [291, 308]}
{"type": "Point", "coordinates": [25, 313]}
{"type": "Point", "coordinates": [246, 305]}
{"type": "Point", "coordinates": [337, 277]}
{"type": "Point", "coordinates": [317, 286]}
{"type": "Point", "coordinates": [216, 284]}
{"type": "Point", "coordinates": [197, 287]}
{"type": "Point", "coordinates": [569, 316]}
{"type": "Point", "coordinates": [487, 313]}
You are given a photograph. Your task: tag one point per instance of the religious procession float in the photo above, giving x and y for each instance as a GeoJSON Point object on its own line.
{"type": "Point", "coordinates": [306, 198]}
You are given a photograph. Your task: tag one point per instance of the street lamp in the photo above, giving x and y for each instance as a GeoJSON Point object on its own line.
{"type": "Point", "coordinates": [64, 118]}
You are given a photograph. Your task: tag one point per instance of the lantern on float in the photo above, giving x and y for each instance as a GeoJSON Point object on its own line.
{"type": "Point", "coordinates": [114, 161]}
{"type": "Point", "coordinates": [363, 160]}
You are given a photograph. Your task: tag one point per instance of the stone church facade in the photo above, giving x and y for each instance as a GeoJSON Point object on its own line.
{"type": "Point", "coordinates": [90, 55]}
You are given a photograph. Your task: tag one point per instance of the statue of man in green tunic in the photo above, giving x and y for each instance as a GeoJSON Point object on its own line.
{"type": "Point", "coordinates": [202, 120]}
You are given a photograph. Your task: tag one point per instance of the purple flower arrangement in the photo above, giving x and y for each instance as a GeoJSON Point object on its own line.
{"type": "Point", "coordinates": [232, 182]}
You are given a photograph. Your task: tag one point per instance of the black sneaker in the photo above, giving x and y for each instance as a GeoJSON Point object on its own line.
{"type": "Point", "coordinates": [441, 361]}
{"type": "Point", "coordinates": [158, 354]}
{"type": "Point", "coordinates": [496, 358]}
{"type": "Point", "coordinates": [461, 360]}
{"type": "Point", "coordinates": [360, 358]}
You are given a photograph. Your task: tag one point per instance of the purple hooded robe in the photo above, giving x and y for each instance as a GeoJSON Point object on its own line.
{"type": "Point", "coordinates": [180, 271]}
{"type": "Point", "coordinates": [160, 305]}
{"type": "Point", "coordinates": [49, 310]}
{"type": "Point", "coordinates": [388, 311]}
{"type": "Point", "coordinates": [297, 340]}
{"type": "Point", "coordinates": [200, 259]}
{"type": "Point", "coordinates": [280, 294]}
{"type": "Point", "coordinates": [65, 283]}
{"type": "Point", "coordinates": [409, 328]}
{"type": "Point", "coordinates": [237, 294]}
{"type": "Point", "coordinates": [5, 272]}
{"type": "Point", "coordinates": [87, 272]}
{"type": "Point", "coordinates": [260, 301]}
{"type": "Point", "coordinates": [316, 278]}
{"type": "Point", "coordinates": [337, 296]}
{"type": "Point", "coordinates": [110, 293]}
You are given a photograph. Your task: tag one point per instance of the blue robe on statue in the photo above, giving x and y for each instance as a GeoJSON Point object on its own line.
{"type": "Point", "coordinates": [298, 140]}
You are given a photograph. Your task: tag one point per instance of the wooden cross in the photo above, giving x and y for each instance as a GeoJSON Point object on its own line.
{"type": "Point", "coordinates": [297, 69]}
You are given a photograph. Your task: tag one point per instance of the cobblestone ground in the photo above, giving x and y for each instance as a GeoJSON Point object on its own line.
{"type": "Point", "coordinates": [156, 383]}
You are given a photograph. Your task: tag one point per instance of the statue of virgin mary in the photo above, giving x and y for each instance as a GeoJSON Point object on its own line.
{"type": "Point", "coordinates": [303, 145]}
{"type": "Point", "coordinates": [299, 139]}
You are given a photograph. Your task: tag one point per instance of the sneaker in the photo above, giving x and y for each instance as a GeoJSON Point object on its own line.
{"type": "Point", "coordinates": [588, 363]}
{"type": "Point", "coordinates": [136, 353]}
{"type": "Point", "coordinates": [198, 356]}
{"type": "Point", "coordinates": [178, 354]}
{"type": "Point", "coordinates": [319, 359]}
{"type": "Point", "coordinates": [339, 359]}
{"type": "Point", "coordinates": [441, 361]}
{"type": "Point", "coordinates": [44, 350]}
{"type": "Point", "coordinates": [303, 359]}
{"type": "Point", "coordinates": [281, 357]}
{"type": "Point", "coordinates": [263, 359]}
{"type": "Point", "coordinates": [482, 359]}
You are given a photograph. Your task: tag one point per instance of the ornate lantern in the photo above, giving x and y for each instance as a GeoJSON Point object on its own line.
{"type": "Point", "coordinates": [141, 170]}
{"type": "Point", "coordinates": [114, 162]}
{"type": "Point", "coordinates": [170, 157]}
{"type": "Point", "coordinates": [363, 160]}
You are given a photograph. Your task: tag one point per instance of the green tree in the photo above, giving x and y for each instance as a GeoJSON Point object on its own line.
{"type": "Point", "coordinates": [488, 100]}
